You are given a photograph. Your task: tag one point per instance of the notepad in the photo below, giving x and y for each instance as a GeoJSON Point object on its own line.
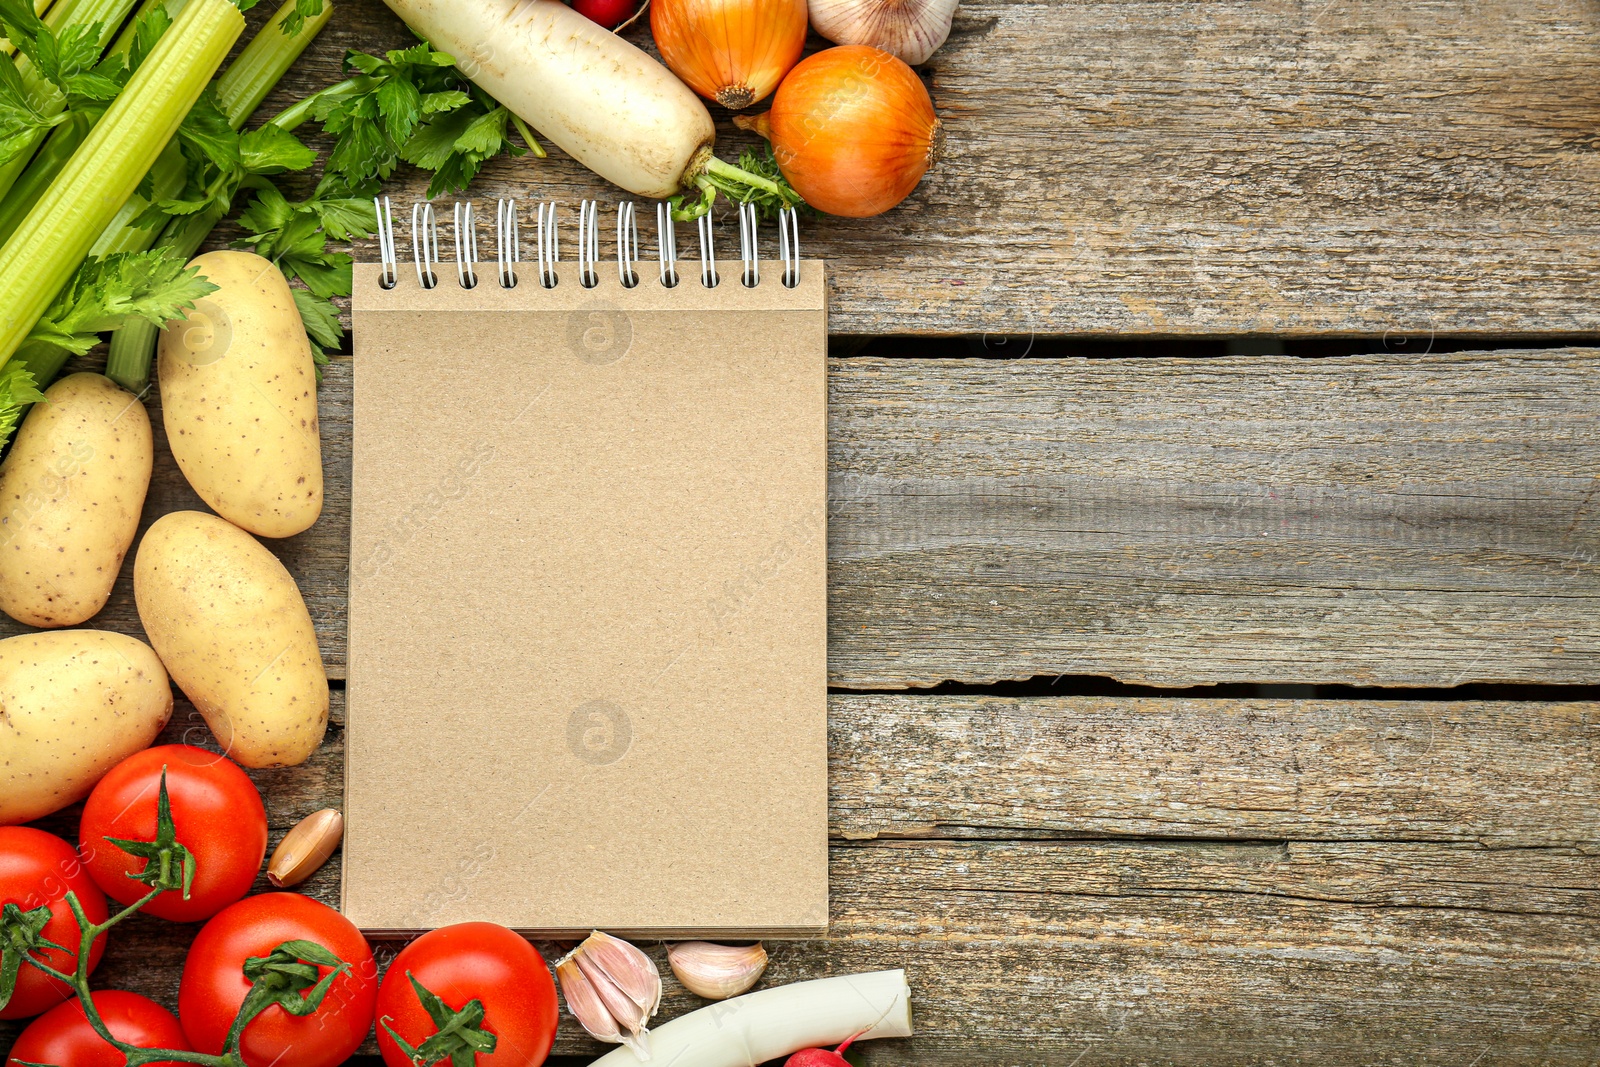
{"type": "Point", "coordinates": [588, 637]}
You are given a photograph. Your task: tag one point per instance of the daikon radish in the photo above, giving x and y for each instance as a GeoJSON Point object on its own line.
{"type": "Point", "coordinates": [608, 104]}
{"type": "Point", "coordinates": [772, 1023]}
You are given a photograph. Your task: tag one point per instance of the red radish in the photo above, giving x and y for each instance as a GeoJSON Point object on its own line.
{"type": "Point", "coordinates": [608, 13]}
{"type": "Point", "coordinates": [820, 1057]}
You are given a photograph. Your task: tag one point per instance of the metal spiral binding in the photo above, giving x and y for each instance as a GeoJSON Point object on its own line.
{"type": "Point", "coordinates": [508, 245]}
{"type": "Point", "coordinates": [386, 253]}
{"type": "Point", "coordinates": [708, 255]}
{"type": "Point", "coordinates": [789, 245]}
{"type": "Point", "coordinates": [747, 246]}
{"type": "Point", "coordinates": [668, 245]}
{"type": "Point", "coordinates": [627, 245]}
{"type": "Point", "coordinates": [466, 246]}
{"type": "Point", "coordinates": [508, 242]}
{"type": "Point", "coordinates": [588, 243]}
{"type": "Point", "coordinates": [549, 245]}
{"type": "Point", "coordinates": [425, 244]}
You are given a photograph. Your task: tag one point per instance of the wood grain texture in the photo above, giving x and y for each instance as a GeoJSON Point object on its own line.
{"type": "Point", "coordinates": [1377, 520]}
{"type": "Point", "coordinates": [1287, 167]}
{"type": "Point", "coordinates": [1340, 897]}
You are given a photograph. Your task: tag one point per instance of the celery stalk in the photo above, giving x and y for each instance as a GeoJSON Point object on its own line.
{"type": "Point", "coordinates": [122, 235]}
{"type": "Point", "coordinates": [46, 166]}
{"type": "Point", "coordinates": [109, 15]}
{"type": "Point", "coordinates": [264, 62]}
{"type": "Point", "coordinates": [240, 90]}
{"type": "Point", "coordinates": [53, 240]}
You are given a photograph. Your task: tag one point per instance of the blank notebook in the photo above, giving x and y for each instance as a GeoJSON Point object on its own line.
{"type": "Point", "coordinates": [588, 636]}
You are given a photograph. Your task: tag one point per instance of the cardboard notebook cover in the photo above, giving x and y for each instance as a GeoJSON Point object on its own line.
{"type": "Point", "coordinates": [588, 608]}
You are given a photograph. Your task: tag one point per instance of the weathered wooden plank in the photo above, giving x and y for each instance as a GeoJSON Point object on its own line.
{"type": "Point", "coordinates": [1466, 773]}
{"type": "Point", "coordinates": [1402, 932]}
{"type": "Point", "coordinates": [1379, 520]}
{"type": "Point", "coordinates": [1375, 520]}
{"type": "Point", "coordinates": [1221, 167]}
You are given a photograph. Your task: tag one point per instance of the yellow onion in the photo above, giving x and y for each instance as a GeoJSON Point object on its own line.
{"type": "Point", "coordinates": [732, 51]}
{"type": "Point", "coordinates": [852, 129]}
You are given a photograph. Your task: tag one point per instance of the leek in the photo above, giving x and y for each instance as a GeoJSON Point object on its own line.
{"type": "Point", "coordinates": [53, 240]}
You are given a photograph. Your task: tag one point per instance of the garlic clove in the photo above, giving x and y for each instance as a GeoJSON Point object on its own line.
{"type": "Point", "coordinates": [612, 989]}
{"type": "Point", "coordinates": [304, 849]}
{"type": "Point", "coordinates": [585, 1003]}
{"type": "Point", "coordinates": [629, 1015]}
{"type": "Point", "coordinates": [627, 965]}
{"type": "Point", "coordinates": [910, 29]}
{"type": "Point", "coordinates": [717, 972]}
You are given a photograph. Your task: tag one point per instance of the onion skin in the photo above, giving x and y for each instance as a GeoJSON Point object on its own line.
{"type": "Point", "coordinates": [853, 130]}
{"type": "Point", "coordinates": [732, 51]}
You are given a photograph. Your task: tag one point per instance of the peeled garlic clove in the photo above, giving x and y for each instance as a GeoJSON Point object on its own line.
{"type": "Point", "coordinates": [910, 29]}
{"type": "Point", "coordinates": [304, 849]}
{"type": "Point", "coordinates": [717, 972]}
{"type": "Point", "coordinates": [585, 1004]}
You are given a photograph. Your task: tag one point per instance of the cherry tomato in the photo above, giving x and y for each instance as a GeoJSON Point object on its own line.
{"type": "Point", "coordinates": [216, 811]}
{"type": "Point", "coordinates": [213, 984]}
{"type": "Point", "coordinates": [37, 869]}
{"type": "Point", "coordinates": [62, 1036]}
{"type": "Point", "coordinates": [608, 13]}
{"type": "Point", "coordinates": [466, 962]}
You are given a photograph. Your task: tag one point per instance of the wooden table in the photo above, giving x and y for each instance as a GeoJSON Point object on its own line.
{"type": "Point", "coordinates": [1283, 869]}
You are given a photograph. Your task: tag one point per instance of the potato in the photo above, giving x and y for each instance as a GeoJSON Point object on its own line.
{"type": "Point", "coordinates": [239, 399]}
{"type": "Point", "coordinates": [73, 704]}
{"type": "Point", "coordinates": [230, 624]}
{"type": "Point", "coordinates": [70, 495]}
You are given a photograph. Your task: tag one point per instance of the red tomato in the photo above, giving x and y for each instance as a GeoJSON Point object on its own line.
{"type": "Point", "coordinates": [466, 962]}
{"type": "Point", "coordinates": [216, 811]}
{"type": "Point", "coordinates": [608, 13]}
{"type": "Point", "coordinates": [37, 868]}
{"type": "Point", "coordinates": [62, 1036]}
{"type": "Point", "coordinates": [214, 985]}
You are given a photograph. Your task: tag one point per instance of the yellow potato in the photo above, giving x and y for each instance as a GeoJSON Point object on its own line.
{"type": "Point", "coordinates": [73, 704]}
{"type": "Point", "coordinates": [232, 628]}
{"type": "Point", "coordinates": [239, 399]}
{"type": "Point", "coordinates": [70, 495]}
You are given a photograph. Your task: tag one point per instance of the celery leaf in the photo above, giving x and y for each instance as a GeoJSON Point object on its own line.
{"type": "Point", "coordinates": [295, 20]}
{"type": "Point", "coordinates": [19, 115]}
{"type": "Point", "coordinates": [17, 391]}
{"type": "Point", "coordinates": [109, 291]}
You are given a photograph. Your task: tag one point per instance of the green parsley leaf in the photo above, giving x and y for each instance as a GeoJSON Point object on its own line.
{"type": "Point", "coordinates": [273, 150]}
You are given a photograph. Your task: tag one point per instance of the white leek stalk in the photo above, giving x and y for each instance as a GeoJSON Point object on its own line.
{"type": "Point", "coordinates": [773, 1023]}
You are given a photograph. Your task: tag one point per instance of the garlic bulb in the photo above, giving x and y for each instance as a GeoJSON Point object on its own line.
{"type": "Point", "coordinates": [717, 971]}
{"type": "Point", "coordinates": [910, 29]}
{"type": "Point", "coordinates": [612, 989]}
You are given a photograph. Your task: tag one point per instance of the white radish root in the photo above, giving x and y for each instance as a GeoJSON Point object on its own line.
{"type": "Point", "coordinates": [773, 1023]}
{"type": "Point", "coordinates": [605, 102]}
